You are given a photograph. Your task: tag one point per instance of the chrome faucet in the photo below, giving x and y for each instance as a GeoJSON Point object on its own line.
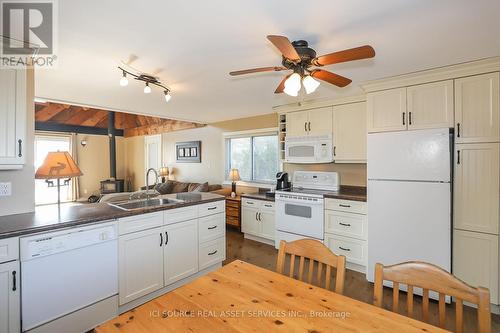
{"type": "Point", "coordinates": [147, 181]}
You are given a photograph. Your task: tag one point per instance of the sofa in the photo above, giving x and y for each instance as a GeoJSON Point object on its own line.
{"type": "Point", "coordinates": [170, 186]}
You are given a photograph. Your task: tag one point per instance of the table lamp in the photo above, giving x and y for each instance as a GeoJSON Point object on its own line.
{"type": "Point", "coordinates": [234, 175]}
{"type": "Point", "coordinates": [163, 172]}
{"type": "Point", "coordinates": [58, 165]}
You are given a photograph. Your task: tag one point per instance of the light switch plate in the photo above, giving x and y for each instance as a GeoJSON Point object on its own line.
{"type": "Point", "coordinates": [5, 189]}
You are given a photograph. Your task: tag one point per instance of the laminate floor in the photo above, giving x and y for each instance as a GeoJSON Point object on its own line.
{"type": "Point", "coordinates": [356, 286]}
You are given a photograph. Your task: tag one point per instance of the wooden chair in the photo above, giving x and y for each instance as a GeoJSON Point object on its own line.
{"type": "Point", "coordinates": [432, 278]}
{"type": "Point", "coordinates": [312, 250]}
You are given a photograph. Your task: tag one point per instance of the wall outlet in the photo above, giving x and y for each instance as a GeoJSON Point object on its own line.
{"type": "Point", "coordinates": [5, 189]}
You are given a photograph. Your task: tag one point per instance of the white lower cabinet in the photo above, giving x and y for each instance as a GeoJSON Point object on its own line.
{"type": "Point", "coordinates": [180, 251]}
{"type": "Point", "coordinates": [257, 218]}
{"type": "Point", "coordinates": [475, 260]}
{"type": "Point", "coordinates": [212, 252]}
{"type": "Point", "coordinates": [10, 311]}
{"type": "Point", "coordinates": [140, 264]}
{"type": "Point", "coordinates": [346, 231]}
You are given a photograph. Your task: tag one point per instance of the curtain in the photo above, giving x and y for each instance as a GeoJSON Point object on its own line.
{"type": "Point", "coordinates": [75, 182]}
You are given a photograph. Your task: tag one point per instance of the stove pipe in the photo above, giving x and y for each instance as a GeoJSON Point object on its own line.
{"type": "Point", "coordinates": [112, 145]}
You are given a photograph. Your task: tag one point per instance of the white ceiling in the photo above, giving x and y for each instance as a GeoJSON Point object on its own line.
{"type": "Point", "coordinates": [196, 43]}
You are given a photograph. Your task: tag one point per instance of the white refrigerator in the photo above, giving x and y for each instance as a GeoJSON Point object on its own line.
{"type": "Point", "coordinates": [409, 198]}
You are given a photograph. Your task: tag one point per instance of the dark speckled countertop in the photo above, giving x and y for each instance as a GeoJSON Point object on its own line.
{"type": "Point", "coordinates": [46, 218]}
{"type": "Point", "coordinates": [355, 193]}
{"type": "Point", "coordinates": [258, 196]}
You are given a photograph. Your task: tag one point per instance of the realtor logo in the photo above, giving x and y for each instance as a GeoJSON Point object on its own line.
{"type": "Point", "coordinates": [29, 28]}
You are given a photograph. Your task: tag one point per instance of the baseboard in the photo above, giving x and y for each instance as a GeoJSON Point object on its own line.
{"type": "Point", "coordinates": [356, 267]}
{"type": "Point", "coordinates": [144, 299]}
{"type": "Point", "coordinates": [259, 239]}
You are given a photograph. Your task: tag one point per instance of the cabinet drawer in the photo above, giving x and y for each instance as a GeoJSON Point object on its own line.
{"type": "Point", "coordinates": [346, 224]}
{"type": "Point", "coordinates": [180, 214]}
{"type": "Point", "coordinates": [353, 249]}
{"type": "Point", "coordinates": [231, 211]}
{"type": "Point", "coordinates": [136, 223]}
{"type": "Point", "coordinates": [211, 227]}
{"type": "Point", "coordinates": [212, 252]}
{"type": "Point", "coordinates": [358, 207]}
{"type": "Point", "coordinates": [233, 221]}
{"type": "Point", "coordinates": [211, 208]}
{"type": "Point", "coordinates": [232, 203]}
{"type": "Point", "coordinates": [245, 202]}
{"type": "Point", "coordinates": [9, 249]}
{"type": "Point", "coordinates": [267, 205]}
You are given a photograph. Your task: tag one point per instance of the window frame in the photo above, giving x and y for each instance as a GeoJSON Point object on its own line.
{"type": "Point", "coordinates": [249, 134]}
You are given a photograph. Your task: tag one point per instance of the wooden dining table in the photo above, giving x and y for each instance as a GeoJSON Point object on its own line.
{"type": "Point", "coordinates": [241, 297]}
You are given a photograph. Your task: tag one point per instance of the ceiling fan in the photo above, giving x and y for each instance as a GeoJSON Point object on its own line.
{"type": "Point", "coordinates": [300, 58]}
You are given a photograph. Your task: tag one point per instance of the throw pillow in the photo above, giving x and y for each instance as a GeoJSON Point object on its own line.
{"type": "Point", "coordinates": [201, 188]}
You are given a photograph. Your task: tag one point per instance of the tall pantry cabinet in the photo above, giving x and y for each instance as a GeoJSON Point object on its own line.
{"type": "Point", "coordinates": [477, 181]}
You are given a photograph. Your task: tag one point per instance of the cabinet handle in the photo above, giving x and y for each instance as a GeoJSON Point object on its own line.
{"type": "Point", "coordinates": [309, 126]}
{"type": "Point", "coordinates": [344, 249]}
{"type": "Point", "coordinates": [458, 130]}
{"type": "Point", "coordinates": [268, 206]}
{"type": "Point", "coordinates": [161, 239]}
{"type": "Point", "coordinates": [210, 228]}
{"type": "Point", "coordinates": [212, 208]}
{"type": "Point", "coordinates": [305, 126]}
{"type": "Point", "coordinates": [14, 282]}
{"type": "Point", "coordinates": [256, 216]}
{"type": "Point", "coordinates": [345, 206]}
{"type": "Point", "coordinates": [260, 217]}
{"type": "Point", "coordinates": [345, 224]}
{"type": "Point", "coordinates": [458, 156]}
{"type": "Point", "coordinates": [212, 253]}
{"type": "Point", "coordinates": [166, 238]}
{"type": "Point", "coordinates": [404, 116]}
{"type": "Point", "coordinates": [334, 150]}
{"type": "Point", "coordinates": [249, 203]}
{"type": "Point", "coordinates": [20, 143]}
{"type": "Point", "coordinates": [409, 117]}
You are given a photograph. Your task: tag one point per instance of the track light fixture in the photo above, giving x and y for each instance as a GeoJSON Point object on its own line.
{"type": "Point", "coordinates": [147, 79]}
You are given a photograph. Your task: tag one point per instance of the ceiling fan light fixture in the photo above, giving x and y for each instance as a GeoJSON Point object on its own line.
{"type": "Point", "coordinates": [310, 84]}
{"type": "Point", "coordinates": [168, 97]}
{"type": "Point", "coordinates": [124, 80]}
{"type": "Point", "coordinates": [292, 85]}
{"type": "Point", "coordinates": [147, 89]}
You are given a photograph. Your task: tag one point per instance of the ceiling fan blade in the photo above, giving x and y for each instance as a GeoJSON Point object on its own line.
{"type": "Point", "coordinates": [356, 53]}
{"type": "Point", "coordinates": [257, 70]}
{"type": "Point", "coordinates": [286, 48]}
{"type": "Point", "coordinates": [329, 77]}
{"type": "Point", "coordinates": [281, 86]}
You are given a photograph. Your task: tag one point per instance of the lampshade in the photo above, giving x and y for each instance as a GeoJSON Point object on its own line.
{"type": "Point", "coordinates": [58, 164]}
{"type": "Point", "coordinates": [163, 172]}
{"type": "Point", "coordinates": [234, 175]}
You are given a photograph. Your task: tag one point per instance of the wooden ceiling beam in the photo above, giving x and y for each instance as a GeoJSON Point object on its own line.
{"type": "Point", "coordinates": [94, 119]}
{"type": "Point", "coordinates": [49, 111]}
{"type": "Point", "coordinates": [167, 126]}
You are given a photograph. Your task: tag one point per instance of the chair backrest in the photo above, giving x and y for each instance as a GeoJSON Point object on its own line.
{"type": "Point", "coordinates": [432, 278]}
{"type": "Point", "coordinates": [311, 250]}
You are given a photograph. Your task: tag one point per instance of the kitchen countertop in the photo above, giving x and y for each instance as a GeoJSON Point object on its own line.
{"type": "Point", "coordinates": [258, 196]}
{"type": "Point", "coordinates": [47, 218]}
{"type": "Point", "coordinates": [346, 192]}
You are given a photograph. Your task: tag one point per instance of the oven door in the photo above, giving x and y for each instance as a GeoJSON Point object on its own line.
{"type": "Point", "coordinates": [300, 216]}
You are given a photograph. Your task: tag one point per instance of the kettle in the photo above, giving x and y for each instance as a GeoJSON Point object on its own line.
{"type": "Point", "coordinates": [282, 181]}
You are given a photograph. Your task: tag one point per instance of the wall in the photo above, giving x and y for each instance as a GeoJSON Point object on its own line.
{"type": "Point", "coordinates": [211, 168]}
{"type": "Point", "coordinates": [134, 161]}
{"type": "Point", "coordinates": [22, 199]}
{"type": "Point", "coordinates": [93, 160]}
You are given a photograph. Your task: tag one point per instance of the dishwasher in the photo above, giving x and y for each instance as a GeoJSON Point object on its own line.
{"type": "Point", "coordinates": [69, 278]}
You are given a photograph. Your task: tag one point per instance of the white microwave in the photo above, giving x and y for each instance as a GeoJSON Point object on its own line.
{"type": "Point", "coordinates": [309, 149]}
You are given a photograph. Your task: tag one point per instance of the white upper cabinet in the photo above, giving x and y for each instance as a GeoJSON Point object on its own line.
{"type": "Point", "coordinates": [349, 133]}
{"type": "Point", "coordinates": [477, 108]}
{"type": "Point", "coordinates": [309, 122]}
{"type": "Point", "coordinates": [430, 105]}
{"type": "Point", "coordinates": [477, 187]}
{"type": "Point", "coordinates": [387, 110]}
{"type": "Point", "coordinates": [12, 118]}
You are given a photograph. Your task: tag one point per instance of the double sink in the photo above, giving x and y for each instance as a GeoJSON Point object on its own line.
{"type": "Point", "coordinates": [131, 205]}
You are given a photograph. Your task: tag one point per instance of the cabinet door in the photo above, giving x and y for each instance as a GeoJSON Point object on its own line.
{"type": "Point", "coordinates": [266, 220]}
{"type": "Point", "coordinates": [140, 264]}
{"type": "Point", "coordinates": [296, 123]}
{"type": "Point", "coordinates": [320, 121]}
{"type": "Point", "coordinates": [181, 250]}
{"type": "Point", "coordinates": [475, 260]}
{"type": "Point", "coordinates": [477, 187]}
{"type": "Point", "coordinates": [387, 110]}
{"type": "Point", "coordinates": [10, 311]}
{"type": "Point", "coordinates": [349, 133]}
{"type": "Point", "coordinates": [430, 105]}
{"type": "Point", "coordinates": [249, 223]}
{"type": "Point", "coordinates": [477, 108]}
{"type": "Point", "coordinates": [12, 117]}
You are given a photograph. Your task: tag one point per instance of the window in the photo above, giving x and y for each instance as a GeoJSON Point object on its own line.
{"type": "Point", "coordinates": [255, 156]}
{"type": "Point", "coordinates": [43, 145]}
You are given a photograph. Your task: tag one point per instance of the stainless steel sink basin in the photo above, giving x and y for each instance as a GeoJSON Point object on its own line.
{"type": "Point", "coordinates": [144, 203]}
